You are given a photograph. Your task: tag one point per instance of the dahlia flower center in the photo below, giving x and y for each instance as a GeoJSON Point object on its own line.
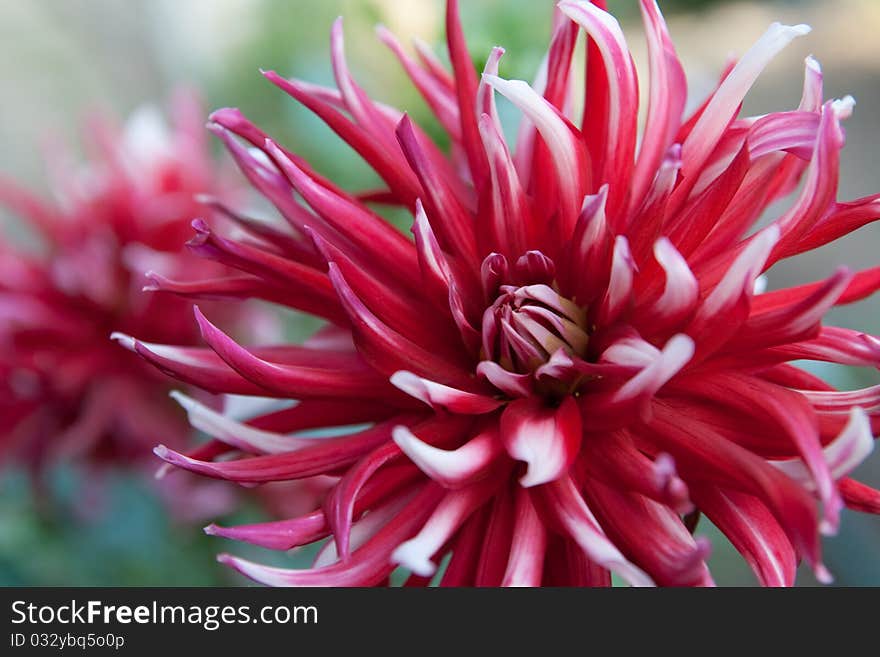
{"type": "Point", "coordinates": [526, 325]}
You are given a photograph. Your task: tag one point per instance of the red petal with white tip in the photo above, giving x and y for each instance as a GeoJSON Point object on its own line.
{"type": "Point", "coordinates": [452, 468]}
{"type": "Point", "coordinates": [547, 439]}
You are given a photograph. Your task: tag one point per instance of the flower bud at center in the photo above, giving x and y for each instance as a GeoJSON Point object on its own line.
{"type": "Point", "coordinates": [526, 325]}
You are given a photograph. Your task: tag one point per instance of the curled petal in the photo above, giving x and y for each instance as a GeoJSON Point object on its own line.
{"type": "Point", "coordinates": [619, 291]}
{"type": "Point", "coordinates": [364, 529]}
{"type": "Point", "coordinates": [793, 322]}
{"type": "Point", "coordinates": [843, 454]}
{"type": "Point", "coordinates": [547, 439]}
{"type": "Point", "coordinates": [452, 468]}
{"type": "Point", "coordinates": [356, 101]}
{"type": "Point", "coordinates": [228, 287]}
{"type": "Point", "coordinates": [675, 355]}
{"type": "Point", "coordinates": [446, 286]}
{"type": "Point", "coordinates": [587, 255]}
{"type": "Point", "coordinates": [740, 276]}
{"type": "Point", "coordinates": [863, 284]}
{"type": "Point", "coordinates": [485, 96]}
{"type": "Point", "coordinates": [681, 289]}
{"type": "Point", "coordinates": [511, 384]}
{"type": "Point", "coordinates": [832, 401]}
{"type": "Point", "coordinates": [833, 345]}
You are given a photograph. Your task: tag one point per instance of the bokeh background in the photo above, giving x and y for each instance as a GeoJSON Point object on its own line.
{"type": "Point", "coordinates": [60, 59]}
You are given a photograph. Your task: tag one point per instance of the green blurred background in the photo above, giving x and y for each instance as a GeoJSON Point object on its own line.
{"type": "Point", "coordinates": [62, 58]}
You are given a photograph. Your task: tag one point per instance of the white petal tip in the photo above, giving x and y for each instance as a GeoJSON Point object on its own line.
{"type": "Point", "coordinates": [532, 478]}
{"type": "Point", "coordinates": [828, 528]}
{"type": "Point", "coordinates": [760, 285]}
{"type": "Point", "coordinates": [402, 376]}
{"type": "Point", "coordinates": [794, 30]}
{"type": "Point", "coordinates": [124, 340]}
{"type": "Point", "coordinates": [843, 107]}
{"type": "Point", "coordinates": [823, 575]}
{"type": "Point", "coordinates": [402, 436]}
{"type": "Point", "coordinates": [684, 344]}
{"type": "Point", "coordinates": [408, 383]}
{"type": "Point", "coordinates": [633, 575]}
{"type": "Point", "coordinates": [188, 403]}
{"type": "Point", "coordinates": [410, 556]}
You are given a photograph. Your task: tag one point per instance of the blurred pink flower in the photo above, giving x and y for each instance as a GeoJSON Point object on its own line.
{"type": "Point", "coordinates": [68, 391]}
{"type": "Point", "coordinates": [573, 358]}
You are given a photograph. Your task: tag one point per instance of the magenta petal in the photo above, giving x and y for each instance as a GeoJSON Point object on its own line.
{"type": "Point", "coordinates": [754, 533]}
{"type": "Point", "coordinates": [195, 365]}
{"type": "Point", "coordinates": [278, 535]}
{"type": "Point", "coordinates": [324, 455]}
{"type": "Point", "coordinates": [355, 380]}
{"type": "Point", "coordinates": [369, 565]}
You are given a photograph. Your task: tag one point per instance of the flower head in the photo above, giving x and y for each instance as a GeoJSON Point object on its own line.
{"type": "Point", "coordinates": [570, 361]}
{"type": "Point", "coordinates": [67, 390]}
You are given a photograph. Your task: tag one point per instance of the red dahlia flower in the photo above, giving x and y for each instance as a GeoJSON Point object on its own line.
{"type": "Point", "coordinates": [571, 359]}
{"type": "Point", "coordinates": [67, 390]}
